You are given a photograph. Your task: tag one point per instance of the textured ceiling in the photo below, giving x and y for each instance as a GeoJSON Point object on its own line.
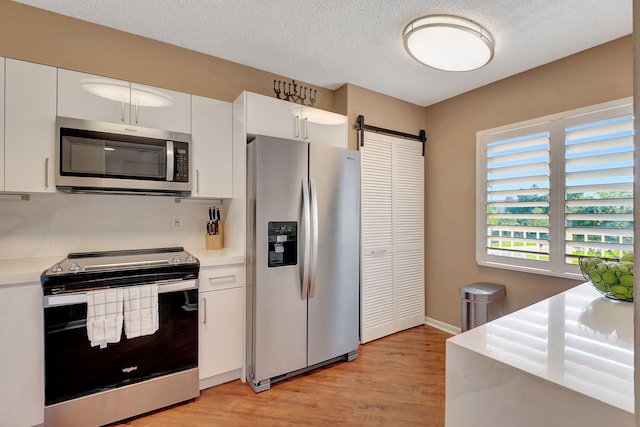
{"type": "Point", "coordinates": [329, 43]}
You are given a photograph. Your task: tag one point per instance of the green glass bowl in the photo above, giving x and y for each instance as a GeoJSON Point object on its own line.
{"type": "Point", "coordinates": [613, 279]}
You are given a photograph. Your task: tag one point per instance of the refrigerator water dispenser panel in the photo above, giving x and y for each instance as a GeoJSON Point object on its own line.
{"type": "Point", "coordinates": [283, 247]}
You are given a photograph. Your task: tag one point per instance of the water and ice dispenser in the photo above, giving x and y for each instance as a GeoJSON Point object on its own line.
{"type": "Point", "coordinates": [283, 247]}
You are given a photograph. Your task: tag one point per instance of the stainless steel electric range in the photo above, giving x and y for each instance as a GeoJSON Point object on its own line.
{"type": "Point", "coordinates": [95, 385]}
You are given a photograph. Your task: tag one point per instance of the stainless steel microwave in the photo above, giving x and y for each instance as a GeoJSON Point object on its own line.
{"type": "Point", "coordinates": [100, 157]}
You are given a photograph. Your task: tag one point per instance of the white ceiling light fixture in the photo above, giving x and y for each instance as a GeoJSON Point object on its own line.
{"type": "Point", "coordinates": [448, 43]}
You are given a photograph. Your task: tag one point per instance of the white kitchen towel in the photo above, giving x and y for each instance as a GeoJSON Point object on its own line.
{"type": "Point", "coordinates": [140, 310]}
{"type": "Point", "coordinates": [104, 316]}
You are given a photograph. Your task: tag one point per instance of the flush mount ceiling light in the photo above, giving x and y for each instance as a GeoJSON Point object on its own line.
{"type": "Point", "coordinates": [448, 43]}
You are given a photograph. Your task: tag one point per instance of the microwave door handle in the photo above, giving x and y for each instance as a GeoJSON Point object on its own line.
{"type": "Point", "coordinates": [170, 161]}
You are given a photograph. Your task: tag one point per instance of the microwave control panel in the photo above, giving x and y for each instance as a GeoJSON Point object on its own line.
{"type": "Point", "coordinates": [181, 159]}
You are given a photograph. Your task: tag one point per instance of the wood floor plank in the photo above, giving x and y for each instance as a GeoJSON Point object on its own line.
{"type": "Point", "coordinates": [396, 381]}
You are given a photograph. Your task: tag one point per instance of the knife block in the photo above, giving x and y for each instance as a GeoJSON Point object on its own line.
{"type": "Point", "coordinates": [215, 241]}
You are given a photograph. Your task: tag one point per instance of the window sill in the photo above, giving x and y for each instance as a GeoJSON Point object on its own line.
{"type": "Point", "coordinates": [522, 269]}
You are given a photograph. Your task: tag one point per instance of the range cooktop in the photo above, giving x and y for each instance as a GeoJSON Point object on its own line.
{"type": "Point", "coordinates": [119, 268]}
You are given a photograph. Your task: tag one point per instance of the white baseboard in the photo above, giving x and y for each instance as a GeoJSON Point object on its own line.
{"type": "Point", "coordinates": [454, 330]}
{"type": "Point", "coordinates": [220, 379]}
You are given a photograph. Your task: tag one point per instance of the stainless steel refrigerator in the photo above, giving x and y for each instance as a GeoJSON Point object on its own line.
{"type": "Point", "coordinates": [303, 233]}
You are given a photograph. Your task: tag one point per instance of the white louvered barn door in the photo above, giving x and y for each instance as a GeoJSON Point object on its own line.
{"type": "Point", "coordinates": [392, 242]}
{"type": "Point", "coordinates": [376, 192]}
{"type": "Point", "coordinates": [408, 233]}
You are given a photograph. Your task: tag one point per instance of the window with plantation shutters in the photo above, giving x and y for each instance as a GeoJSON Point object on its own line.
{"type": "Point", "coordinates": [553, 189]}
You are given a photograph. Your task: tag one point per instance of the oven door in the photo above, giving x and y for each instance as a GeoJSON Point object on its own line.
{"type": "Point", "coordinates": [73, 368]}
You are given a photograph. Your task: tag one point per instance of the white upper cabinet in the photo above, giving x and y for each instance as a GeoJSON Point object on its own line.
{"type": "Point", "coordinates": [2, 125]}
{"type": "Point", "coordinates": [30, 116]}
{"type": "Point", "coordinates": [323, 127]}
{"type": "Point", "coordinates": [78, 97]}
{"type": "Point", "coordinates": [157, 108]}
{"type": "Point", "coordinates": [211, 148]}
{"type": "Point", "coordinates": [91, 97]}
{"type": "Point", "coordinates": [272, 117]}
{"type": "Point", "coordinates": [279, 118]}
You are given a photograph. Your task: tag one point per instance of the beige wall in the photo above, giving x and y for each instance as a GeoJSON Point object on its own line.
{"type": "Point", "coordinates": [597, 75]}
{"type": "Point", "coordinates": [381, 111]}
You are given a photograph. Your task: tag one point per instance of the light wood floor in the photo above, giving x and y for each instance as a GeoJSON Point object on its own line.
{"type": "Point", "coordinates": [396, 381]}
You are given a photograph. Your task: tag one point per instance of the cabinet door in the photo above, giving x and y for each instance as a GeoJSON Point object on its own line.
{"type": "Point", "coordinates": [22, 355]}
{"type": "Point", "coordinates": [158, 108]}
{"type": "Point", "coordinates": [273, 117]}
{"type": "Point", "coordinates": [2, 124]}
{"type": "Point", "coordinates": [324, 127]}
{"type": "Point", "coordinates": [30, 119]}
{"type": "Point", "coordinates": [211, 148]}
{"type": "Point", "coordinates": [221, 331]}
{"type": "Point", "coordinates": [91, 97]}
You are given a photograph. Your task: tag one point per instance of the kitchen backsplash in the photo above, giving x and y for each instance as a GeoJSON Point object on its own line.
{"type": "Point", "coordinates": [56, 224]}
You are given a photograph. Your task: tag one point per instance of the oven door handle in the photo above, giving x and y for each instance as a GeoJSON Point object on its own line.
{"type": "Point", "coordinates": [184, 285]}
{"type": "Point", "coordinates": [65, 299]}
{"type": "Point", "coordinates": [81, 297]}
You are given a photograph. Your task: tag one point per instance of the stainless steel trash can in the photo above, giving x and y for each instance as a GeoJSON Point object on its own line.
{"type": "Point", "coordinates": [481, 303]}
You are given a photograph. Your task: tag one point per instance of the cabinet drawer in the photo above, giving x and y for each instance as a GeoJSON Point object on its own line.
{"type": "Point", "coordinates": [223, 277]}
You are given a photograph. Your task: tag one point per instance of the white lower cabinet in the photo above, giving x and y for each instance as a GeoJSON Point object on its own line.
{"type": "Point", "coordinates": [21, 355]}
{"type": "Point", "coordinates": [221, 329]}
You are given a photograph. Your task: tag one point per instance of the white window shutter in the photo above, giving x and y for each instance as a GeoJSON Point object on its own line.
{"type": "Point", "coordinates": [599, 189]}
{"type": "Point", "coordinates": [517, 194]}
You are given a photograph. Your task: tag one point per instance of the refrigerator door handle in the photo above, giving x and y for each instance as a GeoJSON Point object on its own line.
{"type": "Point", "coordinates": [306, 209]}
{"type": "Point", "coordinates": [314, 236]}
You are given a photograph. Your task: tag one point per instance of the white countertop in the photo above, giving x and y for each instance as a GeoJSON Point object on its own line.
{"type": "Point", "coordinates": [28, 270]}
{"type": "Point", "coordinates": [217, 257]}
{"type": "Point", "coordinates": [578, 339]}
